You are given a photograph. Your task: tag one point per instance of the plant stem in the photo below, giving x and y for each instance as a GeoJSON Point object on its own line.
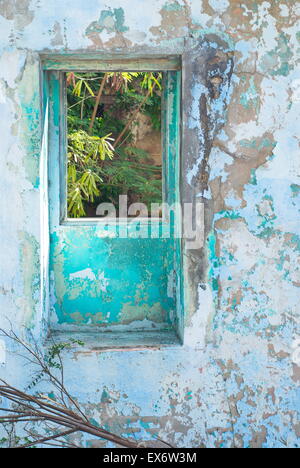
{"type": "Point", "coordinates": [117, 141]}
{"type": "Point", "coordinates": [97, 103]}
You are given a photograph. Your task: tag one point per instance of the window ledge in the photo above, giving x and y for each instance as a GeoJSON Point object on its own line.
{"type": "Point", "coordinates": [116, 341]}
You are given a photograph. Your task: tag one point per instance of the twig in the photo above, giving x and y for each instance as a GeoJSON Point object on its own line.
{"type": "Point", "coordinates": [93, 118]}
{"type": "Point", "coordinates": [59, 415]}
{"type": "Point", "coordinates": [132, 119]}
{"type": "Point", "coordinates": [38, 360]}
{"type": "Point", "coordinates": [30, 408]}
{"type": "Point", "coordinates": [46, 439]}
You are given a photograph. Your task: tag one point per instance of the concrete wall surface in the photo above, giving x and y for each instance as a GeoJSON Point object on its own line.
{"type": "Point", "coordinates": [235, 380]}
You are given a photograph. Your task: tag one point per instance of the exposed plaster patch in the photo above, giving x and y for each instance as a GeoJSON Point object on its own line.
{"type": "Point", "coordinates": [18, 11]}
{"type": "Point", "coordinates": [58, 38]}
{"type": "Point", "coordinates": [12, 64]}
{"type": "Point", "coordinates": [131, 313]}
{"type": "Point", "coordinates": [30, 266]}
{"type": "Point", "coordinates": [174, 21]}
{"type": "Point", "coordinates": [109, 29]}
{"type": "Point", "coordinates": [237, 174]}
{"type": "Point", "coordinates": [28, 106]}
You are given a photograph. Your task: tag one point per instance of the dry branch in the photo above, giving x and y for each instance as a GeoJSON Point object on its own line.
{"type": "Point", "coordinates": [64, 413]}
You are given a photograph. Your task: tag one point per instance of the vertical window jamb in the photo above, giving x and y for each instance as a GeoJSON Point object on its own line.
{"type": "Point", "coordinates": [54, 162]}
{"type": "Point", "coordinates": [63, 149]}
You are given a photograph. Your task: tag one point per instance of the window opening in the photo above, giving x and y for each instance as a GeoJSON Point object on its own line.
{"type": "Point", "coordinates": [114, 141]}
{"type": "Point", "coordinates": [105, 275]}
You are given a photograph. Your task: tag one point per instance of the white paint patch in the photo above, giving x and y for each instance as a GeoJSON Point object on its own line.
{"type": "Point", "coordinates": [11, 64]}
{"type": "Point", "coordinates": [88, 274]}
{"type": "Point", "coordinates": [136, 36]}
{"type": "Point", "coordinates": [246, 55]}
{"type": "Point", "coordinates": [103, 281]}
{"type": "Point", "coordinates": [296, 352]}
{"type": "Point", "coordinates": [195, 333]}
{"type": "Point", "coordinates": [232, 200]}
{"type": "Point", "coordinates": [2, 93]}
{"type": "Point", "coordinates": [284, 10]}
{"type": "Point", "coordinates": [2, 353]}
{"type": "Point", "coordinates": [295, 87]}
{"type": "Point", "coordinates": [83, 274]}
{"type": "Point", "coordinates": [206, 194]}
{"type": "Point", "coordinates": [196, 93]}
{"type": "Point", "coordinates": [193, 172]}
{"type": "Point", "coordinates": [218, 163]}
{"type": "Point", "coordinates": [219, 5]}
{"type": "Point", "coordinates": [171, 284]}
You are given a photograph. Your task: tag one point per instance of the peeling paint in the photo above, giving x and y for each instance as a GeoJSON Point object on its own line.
{"type": "Point", "coordinates": [233, 382]}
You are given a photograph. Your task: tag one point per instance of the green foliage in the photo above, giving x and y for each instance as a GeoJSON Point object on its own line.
{"type": "Point", "coordinates": [150, 80]}
{"type": "Point", "coordinates": [53, 359]}
{"type": "Point", "coordinates": [53, 356]}
{"type": "Point", "coordinates": [85, 154]}
{"type": "Point", "coordinates": [16, 442]}
{"type": "Point", "coordinates": [78, 88]}
{"type": "Point", "coordinates": [3, 441]}
{"type": "Point", "coordinates": [97, 171]}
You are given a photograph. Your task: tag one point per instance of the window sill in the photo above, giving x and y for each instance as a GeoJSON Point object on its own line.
{"type": "Point", "coordinates": [116, 341]}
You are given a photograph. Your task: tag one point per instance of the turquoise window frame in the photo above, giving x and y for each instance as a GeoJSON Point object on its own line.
{"type": "Point", "coordinates": [54, 70]}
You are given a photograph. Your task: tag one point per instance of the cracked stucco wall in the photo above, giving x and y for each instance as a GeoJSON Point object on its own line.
{"type": "Point", "coordinates": [236, 380]}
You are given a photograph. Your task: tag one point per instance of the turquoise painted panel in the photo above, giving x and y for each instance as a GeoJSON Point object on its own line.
{"type": "Point", "coordinates": [111, 281]}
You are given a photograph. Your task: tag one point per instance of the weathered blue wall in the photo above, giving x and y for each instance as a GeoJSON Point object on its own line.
{"type": "Point", "coordinates": [235, 382]}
